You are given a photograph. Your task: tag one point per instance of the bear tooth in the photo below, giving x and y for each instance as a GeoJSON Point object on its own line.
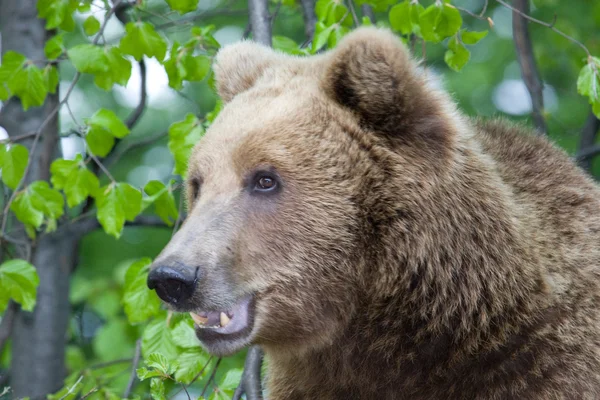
{"type": "Point", "coordinates": [198, 319]}
{"type": "Point", "coordinates": [224, 319]}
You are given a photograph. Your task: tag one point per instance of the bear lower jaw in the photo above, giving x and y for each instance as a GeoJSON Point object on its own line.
{"type": "Point", "coordinates": [226, 332]}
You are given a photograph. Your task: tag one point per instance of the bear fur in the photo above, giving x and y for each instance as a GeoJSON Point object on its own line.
{"type": "Point", "coordinates": [409, 252]}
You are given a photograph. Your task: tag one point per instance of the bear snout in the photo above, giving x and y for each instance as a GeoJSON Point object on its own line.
{"type": "Point", "coordinates": [173, 285]}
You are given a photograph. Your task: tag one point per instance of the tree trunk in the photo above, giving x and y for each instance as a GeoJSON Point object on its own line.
{"type": "Point", "coordinates": [38, 338]}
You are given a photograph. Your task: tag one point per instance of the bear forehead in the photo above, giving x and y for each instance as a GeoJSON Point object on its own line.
{"type": "Point", "coordinates": [271, 123]}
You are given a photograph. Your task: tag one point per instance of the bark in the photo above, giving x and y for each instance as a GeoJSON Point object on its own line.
{"type": "Point", "coordinates": [38, 338]}
{"type": "Point", "coordinates": [260, 21]}
{"type": "Point", "coordinates": [586, 144]}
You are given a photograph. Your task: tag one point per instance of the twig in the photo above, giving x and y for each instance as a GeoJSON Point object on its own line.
{"type": "Point", "coordinates": [547, 25]}
{"type": "Point", "coordinates": [484, 9]}
{"type": "Point", "coordinates": [367, 11]}
{"type": "Point", "coordinates": [7, 324]}
{"type": "Point", "coordinates": [529, 70]}
{"type": "Point", "coordinates": [133, 376]}
{"type": "Point", "coordinates": [588, 138]}
{"type": "Point", "coordinates": [179, 219]}
{"type": "Point", "coordinates": [18, 138]}
{"type": "Point", "coordinates": [259, 21]}
{"type": "Point", "coordinates": [186, 391]}
{"type": "Point", "coordinates": [139, 110]}
{"type": "Point", "coordinates": [211, 377]}
{"type": "Point", "coordinates": [99, 164]}
{"type": "Point", "coordinates": [310, 18]}
{"type": "Point", "coordinates": [353, 12]}
{"type": "Point", "coordinates": [250, 383]}
{"type": "Point", "coordinates": [471, 13]}
{"type": "Point", "coordinates": [72, 388]}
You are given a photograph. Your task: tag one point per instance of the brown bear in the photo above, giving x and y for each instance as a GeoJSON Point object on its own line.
{"type": "Point", "coordinates": [380, 245]}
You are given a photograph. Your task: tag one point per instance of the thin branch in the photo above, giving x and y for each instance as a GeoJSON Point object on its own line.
{"type": "Point", "coordinates": [367, 11]}
{"type": "Point", "coordinates": [139, 110]}
{"type": "Point", "coordinates": [198, 375]}
{"type": "Point", "coordinates": [260, 24]}
{"type": "Point", "coordinates": [529, 71]}
{"type": "Point", "coordinates": [250, 384]}
{"type": "Point", "coordinates": [110, 363]}
{"type": "Point", "coordinates": [310, 18]}
{"type": "Point", "coordinates": [547, 25]}
{"type": "Point", "coordinates": [102, 167]}
{"type": "Point", "coordinates": [276, 13]}
{"type": "Point", "coordinates": [88, 224]}
{"type": "Point", "coordinates": [211, 377]}
{"type": "Point", "coordinates": [353, 12]}
{"type": "Point", "coordinates": [588, 138]}
{"type": "Point", "coordinates": [18, 138]}
{"type": "Point", "coordinates": [133, 376]}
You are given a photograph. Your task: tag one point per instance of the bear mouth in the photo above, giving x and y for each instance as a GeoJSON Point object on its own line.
{"type": "Point", "coordinates": [225, 331]}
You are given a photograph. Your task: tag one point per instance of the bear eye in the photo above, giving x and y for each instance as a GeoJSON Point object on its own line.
{"type": "Point", "coordinates": [265, 183]}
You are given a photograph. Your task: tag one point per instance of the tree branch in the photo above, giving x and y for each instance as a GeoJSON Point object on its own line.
{"type": "Point", "coordinates": [310, 18]}
{"type": "Point", "coordinates": [133, 375]}
{"type": "Point", "coordinates": [250, 384]}
{"type": "Point", "coordinates": [527, 63]}
{"type": "Point", "coordinates": [260, 21]}
{"type": "Point", "coordinates": [547, 25]}
{"type": "Point", "coordinates": [367, 11]}
{"type": "Point", "coordinates": [124, 146]}
{"type": "Point", "coordinates": [588, 138]}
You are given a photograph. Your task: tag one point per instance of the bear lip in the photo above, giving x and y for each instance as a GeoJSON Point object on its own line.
{"type": "Point", "coordinates": [224, 322]}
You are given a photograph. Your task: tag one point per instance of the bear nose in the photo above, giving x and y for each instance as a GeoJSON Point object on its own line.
{"type": "Point", "coordinates": [171, 285]}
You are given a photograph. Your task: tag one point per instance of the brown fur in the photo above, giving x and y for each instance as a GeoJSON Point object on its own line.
{"type": "Point", "coordinates": [411, 253]}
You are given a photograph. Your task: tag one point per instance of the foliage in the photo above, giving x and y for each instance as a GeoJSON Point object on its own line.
{"type": "Point", "coordinates": [109, 286]}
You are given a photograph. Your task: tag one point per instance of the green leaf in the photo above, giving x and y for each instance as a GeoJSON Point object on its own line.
{"type": "Point", "coordinates": [108, 120]}
{"type": "Point", "coordinates": [183, 65]}
{"type": "Point", "coordinates": [404, 17]}
{"type": "Point", "coordinates": [18, 281]}
{"type": "Point", "coordinates": [141, 39]}
{"type": "Point", "coordinates": [117, 203]}
{"type": "Point", "coordinates": [472, 37]}
{"type": "Point", "coordinates": [145, 373]}
{"type": "Point", "coordinates": [163, 200]}
{"type": "Point", "coordinates": [54, 47]}
{"type": "Point", "coordinates": [58, 13]}
{"type": "Point", "coordinates": [30, 86]}
{"type": "Point", "coordinates": [231, 379]}
{"type": "Point", "coordinates": [336, 36]}
{"type": "Point", "coordinates": [74, 179]}
{"type": "Point", "coordinates": [119, 70]}
{"type": "Point", "coordinates": [12, 64]}
{"type": "Point", "coordinates": [115, 339]}
{"type": "Point", "coordinates": [321, 36]}
{"type": "Point", "coordinates": [157, 338]}
{"type": "Point", "coordinates": [183, 6]}
{"type": "Point", "coordinates": [157, 389]}
{"type": "Point", "coordinates": [99, 141]}
{"type": "Point", "coordinates": [183, 135]}
{"type": "Point", "coordinates": [184, 335]}
{"type": "Point", "coordinates": [160, 363]}
{"type": "Point", "coordinates": [588, 83]}
{"type": "Point", "coordinates": [38, 202]}
{"type": "Point", "coordinates": [91, 25]}
{"type": "Point", "coordinates": [439, 22]}
{"type": "Point", "coordinates": [190, 363]}
{"type": "Point", "coordinates": [139, 302]}
{"type": "Point", "coordinates": [88, 58]}
{"type": "Point", "coordinates": [13, 162]}
{"type": "Point", "coordinates": [400, 18]}
{"type": "Point", "coordinates": [449, 22]}
{"type": "Point", "coordinates": [322, 8]}
{"type": "Point", "coordinates": [457, 54]}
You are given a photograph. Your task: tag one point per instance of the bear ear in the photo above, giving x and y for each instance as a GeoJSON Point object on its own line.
{"type": "Point", "coordinates": [371, 73]}
{"type": "Point", "coordinates": [238, 66]}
